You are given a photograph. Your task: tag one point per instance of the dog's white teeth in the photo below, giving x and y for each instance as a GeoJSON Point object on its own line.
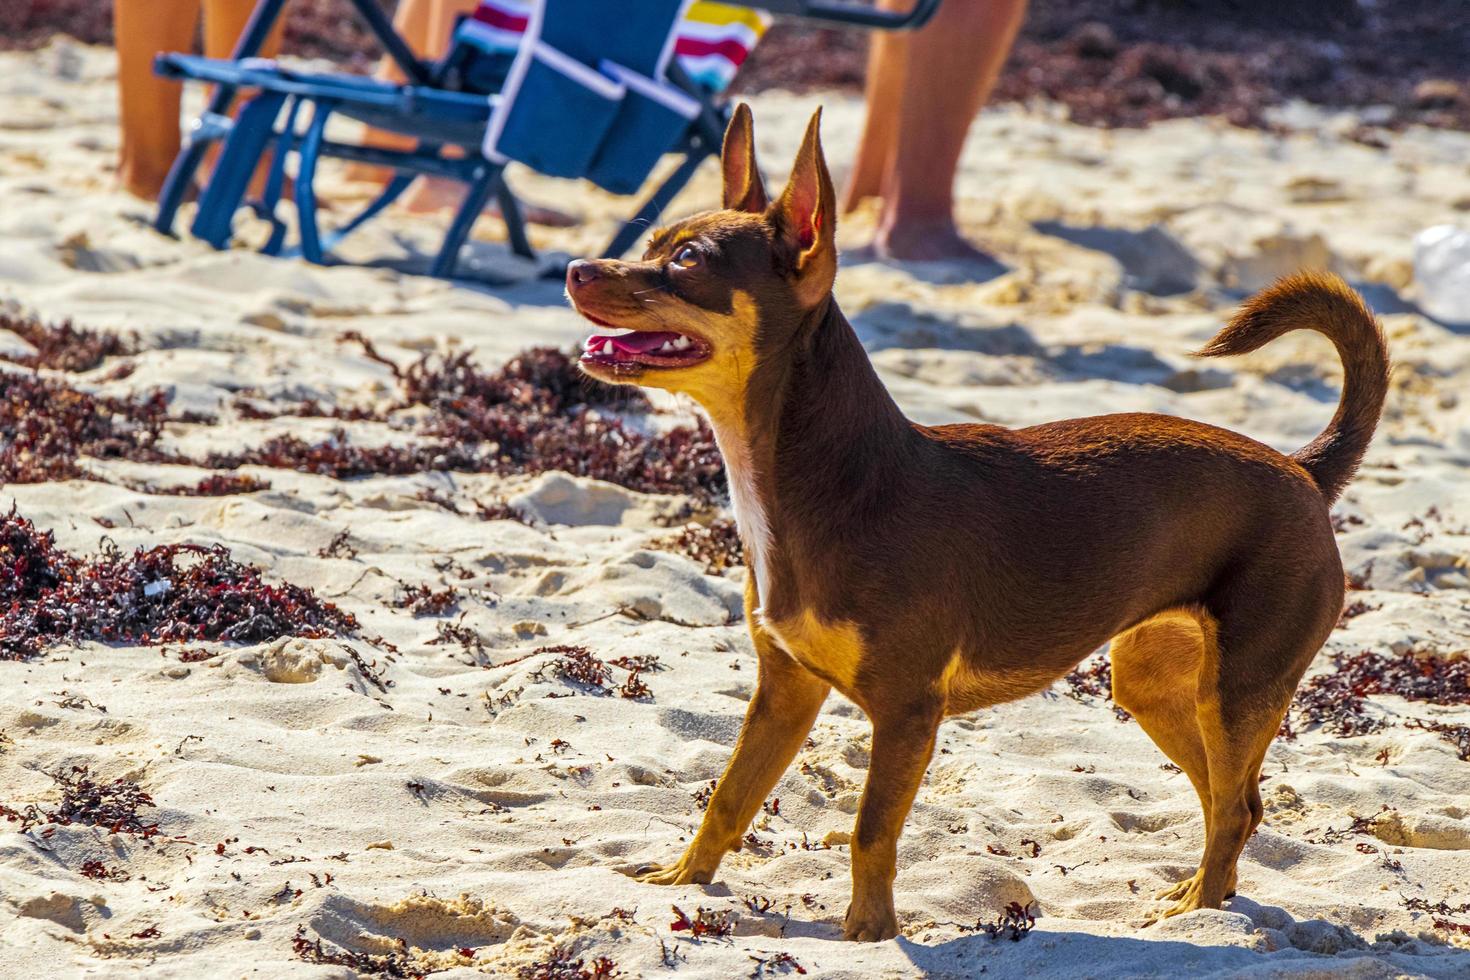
{"type": "Point", "coordinates": [667, 347]}
{"type": "Point", "coordinates": [681, 344]}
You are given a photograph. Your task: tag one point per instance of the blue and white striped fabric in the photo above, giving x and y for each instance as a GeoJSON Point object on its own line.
{"type": "Point", "coordinates": [711, 41]}
{"type": "Point", "coordinates": [587, 93]}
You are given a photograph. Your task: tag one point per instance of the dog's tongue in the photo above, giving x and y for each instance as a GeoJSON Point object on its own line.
{"type": "Point", "coordinates": [641, 343]}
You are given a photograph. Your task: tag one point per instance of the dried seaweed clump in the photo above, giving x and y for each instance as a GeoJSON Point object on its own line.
{"type": "Point", "coordinates": [538, 413]}
{"type": "Point", "coordinates": [1336, 699]}
{"type": "Point", "coordinates": [578, 665]}
{"type": "Point", "coordinates": [1095, 681]}
{"type": "Point", "coordinates": [716, 547]}
{"type": "Point", "coordinates": [422, 600]}
{"type": "Point", "coordinates": [1456, 735]}
{"type": "Point", "coordinates": [706, 922]}
{"type": "Point", "coordinates": [165, 594]}
{"type": "Point", "coordinates": [563, 964]}
{"type": "Point", "coordinates": [1013, 924]}
{"type": "Point", "coordinates": [30, 564]}
{"type": "Point", "coordinates": [337, 457]}
{"type": "Point", "coordinates": [399, 963]}
{"type": "Point", "coordinates": [542, 380]}
{"type": "Point", "coordinates": [50, 425]}
{"type": "Point", "coordinates": [64, 347]}
{"type": "Point", "coordinates": [581, 667]}
{"type": "Point", "coordinates": [214, 485]}
{"type": "Point", "coordinates": [113, 806]}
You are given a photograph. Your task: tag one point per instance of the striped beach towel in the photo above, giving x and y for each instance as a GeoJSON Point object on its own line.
{"type": "Point", "coordinates": [711, 43]}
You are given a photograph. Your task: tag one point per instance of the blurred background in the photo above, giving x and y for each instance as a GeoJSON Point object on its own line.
{"type": "Point", "coordinates": [1110, 62]}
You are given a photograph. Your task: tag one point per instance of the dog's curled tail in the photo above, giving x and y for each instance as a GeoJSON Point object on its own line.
{"type": "Point", "coordinates": [1323, 302]}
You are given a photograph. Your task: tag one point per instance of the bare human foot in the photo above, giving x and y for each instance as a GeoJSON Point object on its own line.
{"type": "Point", "coordinates": [929, 241]}
{"type": "Point", "coordinates": [142, 174]}
{"type": "Point", "coordinates": [144, 186]}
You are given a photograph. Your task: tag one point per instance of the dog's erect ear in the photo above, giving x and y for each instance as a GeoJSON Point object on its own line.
{"type": "Point", "coordinates": [805, 217]}
{"type": "Point", "coordinates": [743, 188]}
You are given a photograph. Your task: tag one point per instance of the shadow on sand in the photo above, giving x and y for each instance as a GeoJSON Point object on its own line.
{"type": "Point", "coordinates": [1075, 955]}
{"type": "Point", "coordinates": [1153, 261]}
{"type": "Point", "coordinates": [901, 326]}
{"type": "Point", "coordinates": [1271, 944]}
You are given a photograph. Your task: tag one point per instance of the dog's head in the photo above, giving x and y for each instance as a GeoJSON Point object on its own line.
{"type": "Point", "coordinates": [719, 292]}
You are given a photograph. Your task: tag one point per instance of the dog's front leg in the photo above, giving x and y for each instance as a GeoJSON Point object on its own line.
{"type": "Point", "coordinates": [903, 741]}
{"type": "Point", "coordinates": [787, 699]}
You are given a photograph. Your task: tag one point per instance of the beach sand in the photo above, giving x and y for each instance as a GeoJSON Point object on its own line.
{"type": "Point", "coordinates": [485, 814]}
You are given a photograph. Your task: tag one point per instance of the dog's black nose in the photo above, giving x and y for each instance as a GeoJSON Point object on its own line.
{"type": "Point", "coordinates": [581, 272]}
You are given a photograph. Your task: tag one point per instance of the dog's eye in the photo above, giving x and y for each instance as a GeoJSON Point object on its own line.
{"type": "Point", "coordinates": [688, 257]}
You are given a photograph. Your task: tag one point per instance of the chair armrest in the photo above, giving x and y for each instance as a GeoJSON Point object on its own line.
{"type": "Point", "coordinates": [851, 12]}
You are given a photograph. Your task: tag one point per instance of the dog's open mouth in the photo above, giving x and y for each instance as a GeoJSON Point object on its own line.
{"type": "Point", "coordinates": [644, 349]}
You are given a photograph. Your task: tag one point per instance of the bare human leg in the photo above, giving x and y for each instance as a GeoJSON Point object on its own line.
{"type": "Point", "coordinates": [149, 105]}
{"type": "Point", "coordinates": [943, 74]}
{"type": "Point", "coordinates": [883, 93]}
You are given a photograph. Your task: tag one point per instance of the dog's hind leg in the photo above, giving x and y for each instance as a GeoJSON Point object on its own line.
{"type": "Point", "coordinates": [1269, 629]}
{"type": "Point", "coordinates": [1156, 667]}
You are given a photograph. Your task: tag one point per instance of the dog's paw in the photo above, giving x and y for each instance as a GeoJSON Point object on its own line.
{"type": "Point", "coordinates": [1178, 890]}
{"type": "Point", "coordinates": [674, 874]}
{"type": "Point", "coordinates": [869, 925]}
{"type": "Point", "coordinates": [1188, 896]}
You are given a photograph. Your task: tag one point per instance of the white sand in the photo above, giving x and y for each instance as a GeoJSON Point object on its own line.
{"type": "Point", "coordinates": [513, 846]}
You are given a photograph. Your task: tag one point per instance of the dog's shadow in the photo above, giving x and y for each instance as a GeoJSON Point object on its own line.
{"type": "Point", "coordinates": [1310, 946]}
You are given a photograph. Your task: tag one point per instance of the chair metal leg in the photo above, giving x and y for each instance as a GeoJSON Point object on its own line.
{"type": "Point", "coordinates": [391, 192]}
{"type": "Point", "coordinates": [480, 189]}
{"type": "Point", "coordinates": [515, 219]}
{"type": "Point", "coordinates": [276, 182]}
{"type": "Point", "coordinates": [635, 227]}
{"type": "Point", "coordinates": [176, 185]}
{"type": "Point", "coordinates": [250, 135]}
{"type": "Point", "coordinates": [305, 193]}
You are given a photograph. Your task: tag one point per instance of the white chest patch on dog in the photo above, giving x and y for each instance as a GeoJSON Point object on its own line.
{"type": "Point", "coordinates": [745, 501]}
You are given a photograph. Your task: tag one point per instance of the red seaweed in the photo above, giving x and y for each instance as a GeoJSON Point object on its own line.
{"type": "Point", "coordinates": [1094, 681]}
{"type": "Point", "coordinates": [716, 546]}
{"type": "Point", "coordinates": [1336, 699]}
{"type": "Point", "coordinates": [397, 964]}
{"type": "Point", "coordinates": [50, 425]}
{"type": "Point", "coordinates": [166, 594]}
{"type": "Point", "coordinates": [706, 922]}
{"type": "Point", "coordinates": [559, 964]}
{"type": "Point", "coordinates": [64, 347]}
{"type": "Point", "coordinates": [112, 806]}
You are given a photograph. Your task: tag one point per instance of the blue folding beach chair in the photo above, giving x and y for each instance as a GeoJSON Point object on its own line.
{"type": "Point", "coordinates": [577, 89]}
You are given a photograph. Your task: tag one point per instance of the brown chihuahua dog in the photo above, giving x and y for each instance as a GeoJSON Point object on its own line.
{"type": "Point", "coordinates": [926, 571]}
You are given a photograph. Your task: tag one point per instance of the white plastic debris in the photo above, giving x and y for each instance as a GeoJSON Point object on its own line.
{"type": "Point", "coordinates": [1442, 270]}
